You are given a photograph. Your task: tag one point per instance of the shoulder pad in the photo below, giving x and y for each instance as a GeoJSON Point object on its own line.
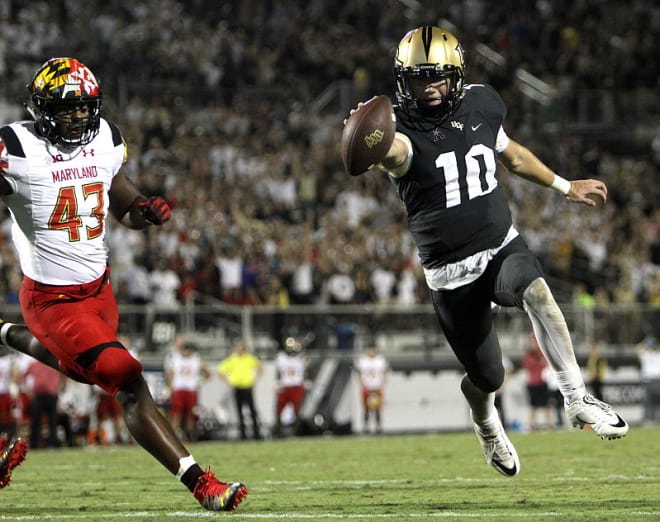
{"type": "Point", "coordinates": [11, 141]}
{"type": "Point", "coordinates": [116, 134]}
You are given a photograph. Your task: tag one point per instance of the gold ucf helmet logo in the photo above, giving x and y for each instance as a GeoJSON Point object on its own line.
{"type": "Point", "coordinates": [373, 139]}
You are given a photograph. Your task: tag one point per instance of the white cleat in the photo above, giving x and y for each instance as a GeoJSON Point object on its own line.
{"type": "Point", "coordinates": [499, 451]}
{"type": "Point", "coordinates": [599, 415]}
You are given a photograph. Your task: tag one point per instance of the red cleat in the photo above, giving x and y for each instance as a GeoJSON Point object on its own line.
{"type": "Point", "coordinates": [218, 496]}
{"type": "Point", "coordinates": [10, 458]}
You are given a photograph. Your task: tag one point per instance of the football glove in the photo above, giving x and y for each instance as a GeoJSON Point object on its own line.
{"type": "Point", "coordinates": [155, 210]}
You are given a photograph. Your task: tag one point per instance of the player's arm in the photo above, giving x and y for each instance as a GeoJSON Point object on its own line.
{"type": "Point", "coordinates": [399, 157]}
{"type": "Point", "coordinates": [132, 208]}
{"type": "Point", "coordinates": [5, 186]}
{"type": "Point", "coordinates": [522, 162]}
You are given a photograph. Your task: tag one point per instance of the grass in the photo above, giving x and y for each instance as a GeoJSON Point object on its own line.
{"type": "Point", "coordinates": [566, 475]}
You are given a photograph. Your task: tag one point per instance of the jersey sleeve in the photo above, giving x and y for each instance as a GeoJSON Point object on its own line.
{"type": "Point", "coordinates": [502, 140]}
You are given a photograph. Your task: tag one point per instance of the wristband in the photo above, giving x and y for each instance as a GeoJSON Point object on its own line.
{"type": "Point", "coordinates": [561, 185]}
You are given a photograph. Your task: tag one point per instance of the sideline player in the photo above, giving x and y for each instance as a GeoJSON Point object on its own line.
{"type": "Point", "coordinates": [290, 369]}
{"type": "Point", "coordinates": [60, 177]}
{"type": "Point", "coordinates": [373, 369]}
{"type": "Point", "coordinates": [443, 165]}
{"type": "Point", "coordinates": [184, 372]}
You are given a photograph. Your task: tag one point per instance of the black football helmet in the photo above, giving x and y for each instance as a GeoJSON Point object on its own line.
{"type": "Point", "coordinates": [429, 52]}
{"type": "Point", "coordinates": [60, 83]}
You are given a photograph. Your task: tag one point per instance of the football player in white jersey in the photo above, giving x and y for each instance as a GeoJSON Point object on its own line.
{"type": "Point", "coordinates": [184, 372]}
{"type": "Point", "coordinates": [373, 369]}
{"type": "Point", "coordinates": [60, 178]}
{"type": "Point", "coordinates": [290, 369]}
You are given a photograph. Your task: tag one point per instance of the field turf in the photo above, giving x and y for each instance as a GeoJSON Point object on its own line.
{"type": "Point", "coordinates": [566, 475]}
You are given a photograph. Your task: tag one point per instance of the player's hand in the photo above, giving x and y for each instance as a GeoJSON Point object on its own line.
{"type": "Point", "coordinates": [155, 210]}
{"type": "Point", "coordinates": [359, 105]}
{"type": "Point", "coordinates": [591, 192]}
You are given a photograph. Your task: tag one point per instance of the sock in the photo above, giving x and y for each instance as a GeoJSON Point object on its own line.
{"type": "Point", "coordinates": [189, 472]}
{"type": "Point", "coordinates": [554, 339]}
{"type": "Point", "coordinates": [571, 384]}
{"type": "Point", "coordinates": [3, 332]}
{"type": "Point", "coordinates": [549, 326]}
{"type": "Point", "coordinates": [482, 404]}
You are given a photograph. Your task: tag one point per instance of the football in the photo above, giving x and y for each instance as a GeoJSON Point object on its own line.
{"type": "Point", "coordinates": [367, 135]}
{"type": "Point", "coordinates": [597, 199]}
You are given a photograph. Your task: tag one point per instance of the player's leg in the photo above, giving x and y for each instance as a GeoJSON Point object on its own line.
{"type": "Point", "coordinates": [154, 433]}
{"type": "Point", "coordinates": [18, 337]}
{"type": "Point", "coordinates": [83, 334]}
{"type": "Point", "coordinates": [466, 318]}
{"type": "Point", "coordinates": [239, 401]}
{"type": "Point", "coordinates": [520, 283]}
{"type": "Point", "coordinates": [254, 416]}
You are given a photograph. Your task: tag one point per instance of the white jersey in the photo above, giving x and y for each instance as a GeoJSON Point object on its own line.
{"type": "Point", "coordinates": [185, 372]}
{"type": "Point", "coordinates": [60, 202]}
{"type": "Point", "coordinates": [291, 369]}
{"type": "Point", "coordinates": [373, 371]}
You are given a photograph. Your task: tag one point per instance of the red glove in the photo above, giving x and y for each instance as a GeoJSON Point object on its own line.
{"type": "Point", "coordinates": [155, 210]}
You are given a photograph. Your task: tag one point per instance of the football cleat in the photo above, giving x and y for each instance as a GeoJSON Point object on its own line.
{"type": "Point", "coordinates": [499, 451]}
{"type": "Point", "coordinates": [599, 415]}
{"type": "Point", "coordinates": [218, 496]}
{"type": "Point", "coordinates": [11, 456]}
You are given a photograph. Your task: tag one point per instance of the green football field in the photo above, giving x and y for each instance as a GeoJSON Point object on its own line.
{"type": "Point", "coordinates": [566, 475]}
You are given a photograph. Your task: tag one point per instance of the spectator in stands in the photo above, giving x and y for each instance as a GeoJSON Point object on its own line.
{"type": "Point", "coordinates": [164, 283]}
{"type": "Point", "coordinates": [184, 373]}
{"type": "Point", "coordinates": [373, 370]}
{"type": "Point", "coordinates": [310, 150]}
{"type": "Point", "coordinates": [241, 371]}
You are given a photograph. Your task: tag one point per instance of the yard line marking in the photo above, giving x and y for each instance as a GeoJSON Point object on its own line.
{"type": "Point", "coordinates": [179, 515]}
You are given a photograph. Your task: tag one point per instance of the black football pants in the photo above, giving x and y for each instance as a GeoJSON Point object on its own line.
{"type": "Point", "coordinates": [466, 317]}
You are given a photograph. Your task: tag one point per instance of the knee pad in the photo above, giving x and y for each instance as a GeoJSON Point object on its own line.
{"type": "Point", "coordinates": [116, 368]}
{"type": "Point", "coordinates": [518, 271]}
{"type": "Point", "coordinates": [490, 380]}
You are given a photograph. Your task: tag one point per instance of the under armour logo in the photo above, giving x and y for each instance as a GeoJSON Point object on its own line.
{"type": "Point", "coordinates": [89, 152]}
{"type": "Point", "coordinates": [457, 125]}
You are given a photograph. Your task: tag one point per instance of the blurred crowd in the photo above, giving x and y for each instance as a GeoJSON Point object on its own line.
{"type": "Point", "coordinates": [219, 104]}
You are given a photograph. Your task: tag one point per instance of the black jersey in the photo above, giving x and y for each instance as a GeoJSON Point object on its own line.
{"type": "Point", "coordinates": [455, 206]}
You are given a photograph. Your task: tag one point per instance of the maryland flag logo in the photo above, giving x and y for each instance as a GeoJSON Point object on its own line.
{"type": "Point", "coordinates": [61, 78]}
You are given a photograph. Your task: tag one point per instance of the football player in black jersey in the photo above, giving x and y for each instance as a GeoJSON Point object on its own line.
{"type": "Point", "coordinates": [443, 164]}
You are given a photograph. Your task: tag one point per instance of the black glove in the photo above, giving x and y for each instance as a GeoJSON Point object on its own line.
{"type": "Point", "coordinates": [155, 210]}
